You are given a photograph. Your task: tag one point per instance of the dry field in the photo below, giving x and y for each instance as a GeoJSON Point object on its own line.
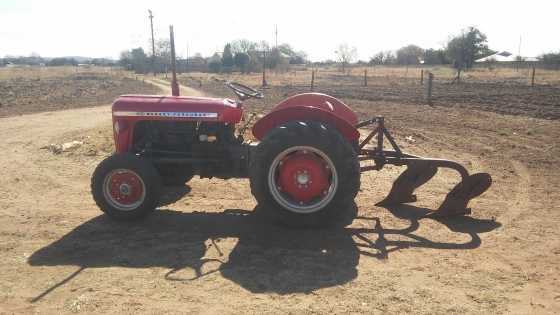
{"type": "Point", "coordinates": [204, 251]}
{"type": "Point", "coordinates": [36, 89]}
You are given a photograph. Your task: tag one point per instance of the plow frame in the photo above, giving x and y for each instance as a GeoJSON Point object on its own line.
{"type": "Point", "coordinates": [419, 171]}
{"type": "Point", "coordinates": [395, 156]}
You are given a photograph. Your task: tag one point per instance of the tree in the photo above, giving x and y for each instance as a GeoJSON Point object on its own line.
{"type": "Point", "coordinates": [466, 47]}
{"type": "Point", "coordinates": [63, 62]}
{"type": "Point", "coordinates": [135, 60]}
{"type": "Point", "coordinates": [377, 59]}
{"type": "Point", "coordinates": [227, 57]}
{"type": "Point", "coordinates": [125, 59]}
{"type": "Point", "coordinates": [139, 60]}
{"type": "Point", "coordinates": [296, 57]}
{"type": "Point", "coordinates": [243, 46]}
{"type": "Point", "coordinates": [435, 57]}
{"type": "Point", "coordinates": [215, 63]}
{"type": "Point", "coordinates": [550, 58]}
{"type": "Point", "coordinates": [409, 55]}
{"type": "Point", "coordinates": [163, 54]}
{"type": "Point", "coordinates": [241, 60]}
{"type": "Point", "coordinates": [346, 55]}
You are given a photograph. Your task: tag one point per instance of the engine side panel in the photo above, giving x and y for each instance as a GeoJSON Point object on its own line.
{"type": "Point", "coordinates": [131, 109]}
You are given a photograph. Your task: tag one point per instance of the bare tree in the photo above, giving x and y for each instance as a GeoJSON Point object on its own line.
{"type": "Point", "coordinates": [242, 46]}
{"type": "Point", "coordinates": [345, 55]}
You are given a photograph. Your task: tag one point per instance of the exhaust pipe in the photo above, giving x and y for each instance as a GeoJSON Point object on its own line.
{"type": "Point", "coordinates": [174, 84]}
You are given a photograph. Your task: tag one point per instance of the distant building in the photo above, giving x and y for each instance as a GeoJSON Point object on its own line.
{"type": "Point", "coordinates": [505, 56]}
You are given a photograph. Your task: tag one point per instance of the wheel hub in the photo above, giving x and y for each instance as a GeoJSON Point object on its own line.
{"type": "Point", "coordinates": [124, 189]}
{"type": "Point", "coordinates": [303, 176]}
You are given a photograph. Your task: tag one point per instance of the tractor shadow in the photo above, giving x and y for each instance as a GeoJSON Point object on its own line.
{"type": "Point", "coordinates": [266, 258]}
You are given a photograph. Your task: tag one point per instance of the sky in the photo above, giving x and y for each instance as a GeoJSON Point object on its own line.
{"type": "Point", "coordinates": [104, 28]}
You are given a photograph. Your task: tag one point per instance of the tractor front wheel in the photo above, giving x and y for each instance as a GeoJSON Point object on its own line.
{"type": "Point", "coordinates": [305, 174]}
{"type": "Point", "coordinates": [126, 187]}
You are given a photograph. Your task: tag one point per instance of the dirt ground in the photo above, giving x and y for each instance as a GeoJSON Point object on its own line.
{"type": "Point", "coordinates": [204, 252]}
{"type": "Point", "coordinates": [26, 92]}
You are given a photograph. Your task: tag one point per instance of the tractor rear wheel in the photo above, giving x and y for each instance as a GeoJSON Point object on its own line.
{"type": "Point", "coordinates": [304, 173]}
{"type": "Point", "coordinates": [126, 187]}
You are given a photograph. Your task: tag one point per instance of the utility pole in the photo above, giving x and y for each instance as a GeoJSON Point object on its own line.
{"type": "Point", "coordinates": [174, 84]}
{"type": "Point", "coordinates": [264, 68]}
{"type": "Point", "coordinates": [276, 35]}
{"type": "Point", "coordinates": [151, 16]}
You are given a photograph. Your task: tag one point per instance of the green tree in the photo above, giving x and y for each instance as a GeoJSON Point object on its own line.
{"type": "Point", "coordinates": [241, 60]}
{"type": "Point", "coordinates": [550, 58]}
{"type": "Point", "coordinates": [139, 60]}
{"type": "Point", "coordinates": [296, 57]}
{"type": "Point", "coordinates": [227, 57]}
{"type": "Point", "coordinates": [409, 55]}
{"type": "Point", "coordinates": [215, 63]}
{"type": "Point", "coordinates": [435, 57]}
{"type": "Point", "coordinates": [465, 48]}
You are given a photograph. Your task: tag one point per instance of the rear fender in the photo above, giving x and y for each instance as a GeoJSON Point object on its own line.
{"type": "Point", "coordinates": [322, 101]}
{"type": "Point", "coordinates": [303, 113]}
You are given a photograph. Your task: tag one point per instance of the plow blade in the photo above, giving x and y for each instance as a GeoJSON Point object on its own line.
{"type": "Point", "coordinates": [420, 171]}
{"type": "Point", "coordinates": [457, 199]}
{"type": "Point", "coordinates": [416, 174]}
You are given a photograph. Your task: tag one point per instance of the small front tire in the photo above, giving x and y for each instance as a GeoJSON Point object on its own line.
{"type": "Point", "coordinates": [126, 187]}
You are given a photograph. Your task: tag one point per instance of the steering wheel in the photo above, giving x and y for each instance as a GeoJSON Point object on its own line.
{"type": "Point", "coordinates": [244, 92]}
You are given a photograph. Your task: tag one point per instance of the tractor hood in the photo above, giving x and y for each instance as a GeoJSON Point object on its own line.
{"type": "Point", "coordinates": [157, 107]}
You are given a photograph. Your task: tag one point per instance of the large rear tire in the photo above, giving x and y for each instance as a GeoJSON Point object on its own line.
{"type": "Point", "coordinates": [126, 187]}
{"type": "Point", "coordinates": [304, 173]}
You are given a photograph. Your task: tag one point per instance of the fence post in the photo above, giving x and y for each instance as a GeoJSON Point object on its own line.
{"type": "Point", "coordinates": [365, 77]}
{"type": "Point", "coordinates": [533, 77]}
{"type": "Point", "coordinates": [312, 79]}
{"type": "Point", "coordinates": [429, 89]}
{"type": "Point", "coordinates": [422, 77]}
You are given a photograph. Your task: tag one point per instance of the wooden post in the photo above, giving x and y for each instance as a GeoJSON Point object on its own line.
{"type": "Point", "coordinates": [365, 77]}
{"type": "Point", "coordinates": [422, 77]}
{"type": "Point", "coordinates": [533, 77]}
{"type": "Point", "coordinates": [312, 79]}
{"type": "Point", "coordinates": [429, 89]}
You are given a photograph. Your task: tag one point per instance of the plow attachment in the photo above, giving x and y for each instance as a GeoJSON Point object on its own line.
{"type": "Point", "coordinates": [418, 172]}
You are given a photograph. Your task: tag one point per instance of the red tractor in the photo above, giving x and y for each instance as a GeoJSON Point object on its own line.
{"type": "Point", "coordinates": [304, 170]}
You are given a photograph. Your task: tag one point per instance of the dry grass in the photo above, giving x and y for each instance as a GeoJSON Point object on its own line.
{"type": "Point", "coordinates": [325, 75]}
{"type": "Point", "coordinates": [37, 72]}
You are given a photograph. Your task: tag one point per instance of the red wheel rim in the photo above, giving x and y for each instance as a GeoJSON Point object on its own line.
{"type": "Point", "coordinates": [303, 176]}
{"type": "Point", "coordinates": [124, 189]}
{"type": "Point", "coordinates": [302, 179]}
